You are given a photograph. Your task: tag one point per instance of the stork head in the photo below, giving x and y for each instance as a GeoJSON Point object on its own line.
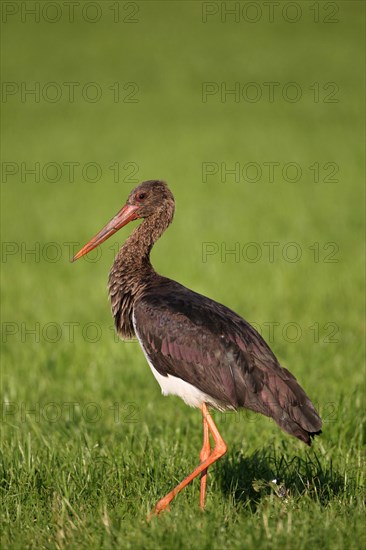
{"type": "Point", "coordinates": [148, 198]}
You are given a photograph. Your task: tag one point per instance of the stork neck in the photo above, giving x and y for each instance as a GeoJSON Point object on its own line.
{"type": "Point", "coordinates": [134, 255]}
{"type": "Point", "coordinates": [132, 270]}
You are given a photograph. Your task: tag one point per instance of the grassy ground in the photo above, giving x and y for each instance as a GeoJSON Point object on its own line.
{"type": "Point", "coordinates": [88, 442]}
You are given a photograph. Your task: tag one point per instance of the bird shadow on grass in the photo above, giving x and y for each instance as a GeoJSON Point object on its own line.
{"type": "Point", "coordinates": [250, 479]}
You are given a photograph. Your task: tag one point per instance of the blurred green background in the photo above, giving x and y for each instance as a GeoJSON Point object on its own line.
{"type": "Point", "coordinates": [151, 65]}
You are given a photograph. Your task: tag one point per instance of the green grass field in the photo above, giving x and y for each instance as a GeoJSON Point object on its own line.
{"type": "Point", "coordinates": [88, 442]}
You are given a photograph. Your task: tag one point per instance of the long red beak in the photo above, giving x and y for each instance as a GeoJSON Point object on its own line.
{"type": "Point", "coordinates": [127, 214]}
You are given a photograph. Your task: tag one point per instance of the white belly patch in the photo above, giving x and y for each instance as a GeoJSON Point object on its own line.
{"type": "Point", "coordinates": [176, 386]}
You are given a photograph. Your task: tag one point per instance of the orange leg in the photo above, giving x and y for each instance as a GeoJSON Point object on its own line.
{"type": "Point", "coordinates": [218, 451]}
{"type": "Point", "coordinates": [204, 454]}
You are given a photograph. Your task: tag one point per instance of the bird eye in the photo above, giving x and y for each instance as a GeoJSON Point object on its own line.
{"type": "Point", "coordinates": [141, 196]}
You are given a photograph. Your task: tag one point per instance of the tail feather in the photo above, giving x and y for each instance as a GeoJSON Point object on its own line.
{"type": "Point", "coordinates": [286, 402]}
{"type": "Point", "coordinates": [295, 429]}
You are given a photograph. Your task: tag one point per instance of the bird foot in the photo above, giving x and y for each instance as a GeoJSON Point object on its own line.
{"type": "Point", "coordinates": [161, 506]}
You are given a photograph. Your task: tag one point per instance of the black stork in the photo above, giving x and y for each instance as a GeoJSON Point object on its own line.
{"type": "Point", "coordinates": [197, 348]}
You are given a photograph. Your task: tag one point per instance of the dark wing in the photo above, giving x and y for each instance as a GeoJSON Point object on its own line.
{"type": "Point", "coordinates": [206, 344]}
